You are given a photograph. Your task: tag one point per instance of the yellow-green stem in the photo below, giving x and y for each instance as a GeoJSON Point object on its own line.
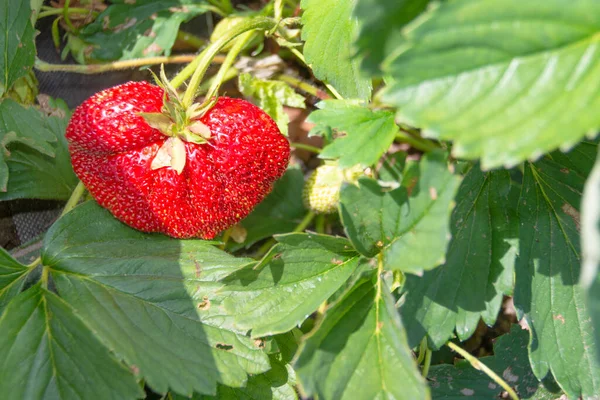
{"type": "Point", "coordinates": [236, 49]}
{"type": "Point", "coordinates": [262, 250]}
{"type": "Point", "coordinates": [191, 40]}
{"type": "Point", "coordinates": [418, 143]}
{"type": "Point", "coordinates": [422, 350]}
{"type": "Point", "coordinates": [278, 10]}
{"type": "Point", "coordinates": [45, 277]}
{"type": "Point", "coordinates": [66, 15]}
{"type": "Point", "coordinates": [306, 147]}
{"type": "Point", "coordinates": [113, 66]}
{"type": "Point", "coordinates": [226, 237]}
{"type": "Point", "coordinates": [427, 363]}
{"type": "Point", "coordinates": [73, 11]}
{"type": "Point", "coordinates": [74, 199]}
{"type": "Point", "coordinates": [477, 364]}
{"type": "Point", "coordinates": [198, 67]}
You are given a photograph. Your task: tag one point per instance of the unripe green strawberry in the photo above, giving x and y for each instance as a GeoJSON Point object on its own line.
{"type": "Point", "coordinates": [322, 189]}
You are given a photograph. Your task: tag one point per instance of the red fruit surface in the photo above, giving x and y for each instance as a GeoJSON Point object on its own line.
{"type": "Point", "coordinates": [223, 180]}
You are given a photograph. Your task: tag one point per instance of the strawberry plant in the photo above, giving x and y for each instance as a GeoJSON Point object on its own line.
{"type": "Point", "coordinates": [334, 199]}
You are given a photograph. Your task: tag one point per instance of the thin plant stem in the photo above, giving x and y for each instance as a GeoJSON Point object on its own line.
{"type": "Point", "coordinates": [262, 250]}
{"type": "Point", "coordinates": [305, 222]}
{"type": "Point", "coordinates": [427, 363]}
{"type": "Point", "coordinates": [113, 66]}
{"type": "Point", "coordinates": [71, 11]}
{"type": "Point", "coordinates": [418, 143]}
{"type": "Point", "coordinates": [226, 237]}
{"type": "Point", "coordinates": [477, 364]}
{"type": "Point", "coordinates": [35, 263]}
{"type": "Point", "coordinates": [191, 40]}
{"type": "Point", "coordinates": [333, 91]}
{"type": "Point", "coordinates": [304, 86]}
{"type": "Point", "coordinates": [306, 147]}
{"type": "Point", "coordinates": [197, 68]}
{"type": "Point", "coordinates": [236, 49]}
{"type": "Point", "coordinates": [422, 350]}
{"type": "Point", "coordinates": [77, 194]}
{"type": "Point", "coordinates": [45, 277]}
{"type": "Point", "coordinates": [278, 10]}
{"type": "Point", "coordinates": [66, 15]}
{"type": "Point", "coordinates": [320, 224]}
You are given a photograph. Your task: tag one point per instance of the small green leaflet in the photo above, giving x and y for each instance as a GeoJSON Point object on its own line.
{"type": "Point", "coordinates": [509, 361]}
{"type": "Point", "coordinates": [359, 350]}
{"type": "Point", "coordinates": [368, 133]}
{"type": "Point", "coordinates": [381, 22]}
{"type": "Point", "coordinates": [590, 249]}
{"type": "Point", "coordinates": [12, 278]}
{"type": "Point", "coordinates": [35, 175]}
{"type": "Point", "coordinates": [329, 31]}
{"type": "Point", "coordinates": [136, 293]}
{"type": "Point", "coordinates": [17, 45]}
{"type": "Point", "coordinates": [271, 96]}
{"type": "Point", "coordinates": [22, 125]}
{"type": "Point", "coordinates": [409, 224]}
{"type": "Point", "coordinates": [280, 212]}
{"type": "Point", "coordinates": [50, 353]}
{"type": "Point", "coordinates": [288, 285]}
{"type": "Point", "coordinates": [502, 79]}
{"type": "Point", "coordinates": [479, 264]}
{"type": "Point", "coordinates": [130, 29]}
{"type": "Point", "coordinates": [547, 275]}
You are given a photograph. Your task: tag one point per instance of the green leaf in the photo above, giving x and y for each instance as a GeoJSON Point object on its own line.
{"type": "Point", "coordinates": [21, 125]}
{"type": "Point", "coordinates": [500, 78]}
{"type": "Point", "coordinates": [271, 96]}
{"type": "Point", "coordinates": [49, 353]}
{"type": "Point", "coordinates": [359, 350]}
{"type": "Point", "coordinates": [329, 30]}
{"type": "Point", "coordinates": [590, 249]}
{"type": "Point", "coordinates": [479, 264]}
{"type": "Point", "coordinates": [12, 278]}
{"type": "Point", "coordinates": [17, 44]}
{"type": "Point", "coordinates": [143, 295]}
{"type": "Point", "coordinates": [410, 224]}
{"type": "Point", "coordinates": [130, 29]}
{"type": "Point", "coordinates": [547, 273]}
{"type": "Point", "coordinates": [275, 384]}
{"type": "Point", "coordinates": [34, 175]}
{"type": "Point", "coordinates": [368, 133]}
{"type": "Point", "coordinates": [299, 274]}
{"type": "Point", "coordinates": [381, 22]}
{"type": "Point", "coordinates": [280, 212]}
{"type": "Point", "coordinates": [509, 361]}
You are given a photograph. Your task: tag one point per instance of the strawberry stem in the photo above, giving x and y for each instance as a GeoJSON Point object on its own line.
{"type": "Point", "coordinates": [477, 364]}
{"type": "Point", "coordinates": [218, 79]}
{"type": "Point", "coordinates": [113, 66]}
{"type": "Point", "coordinates": [198, 67]}
{"type": "Point", "coordinates": [74, 199]}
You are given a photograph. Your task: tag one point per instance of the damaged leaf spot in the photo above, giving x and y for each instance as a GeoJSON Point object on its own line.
{"type": "Point", "coordinates": [573, 213]}
{"type": "Point", "coordinates": [467, 392]}
{"type": "Point", "coordinates": [336, 261]}
{"type": "Point", "coordinates": [509, 376]}
{"type": "Point", "coordinates": [204, 304]}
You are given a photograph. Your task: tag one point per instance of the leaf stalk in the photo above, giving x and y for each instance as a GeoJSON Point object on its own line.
{"type": "Point", "coordinates": [477, 364]}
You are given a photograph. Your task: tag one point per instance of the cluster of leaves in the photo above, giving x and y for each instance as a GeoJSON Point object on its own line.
{"type": "Point", "coordinates": [496, 98]}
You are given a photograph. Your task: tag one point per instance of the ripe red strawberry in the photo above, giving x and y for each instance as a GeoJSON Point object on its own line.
{"type": "Point", "coordinates": [113, 149]}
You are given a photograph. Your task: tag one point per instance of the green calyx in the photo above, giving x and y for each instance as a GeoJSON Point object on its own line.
{"type": "Point", "coordinates": [177, 120]}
